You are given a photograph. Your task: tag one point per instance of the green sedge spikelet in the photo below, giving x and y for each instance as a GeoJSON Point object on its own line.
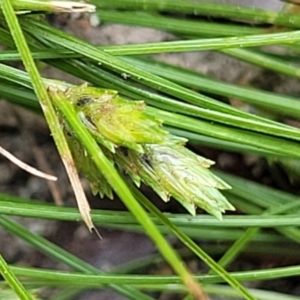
{"type": "Point", "coordinates": [135, 142]}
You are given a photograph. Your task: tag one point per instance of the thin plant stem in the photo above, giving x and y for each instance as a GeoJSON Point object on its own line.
{"type": "Point", "coordinates": [48, 110]}
{"type": "Point", "coordinates": [13, 281]}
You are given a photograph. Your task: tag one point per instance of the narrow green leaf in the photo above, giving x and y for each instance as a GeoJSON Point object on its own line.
{"type": "Point", "coordinates": [13, 281]}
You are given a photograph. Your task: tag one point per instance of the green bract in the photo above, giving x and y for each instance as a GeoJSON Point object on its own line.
{"type": "Point", "coordinates": [114, 121]}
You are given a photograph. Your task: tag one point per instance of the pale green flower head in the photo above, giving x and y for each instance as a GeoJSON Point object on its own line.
{"type": "Point", "coordinates": [114, 121]}
{"type": "Point", "coordinates": [186, 179]}
{"type": "Point", "coordinates": [142, 150]}
{"type": "Point", "coordinates": [172, 170]}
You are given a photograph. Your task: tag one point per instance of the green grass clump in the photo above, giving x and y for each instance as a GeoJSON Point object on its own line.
{"type": "Point", "coordinates": [187, 104]}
